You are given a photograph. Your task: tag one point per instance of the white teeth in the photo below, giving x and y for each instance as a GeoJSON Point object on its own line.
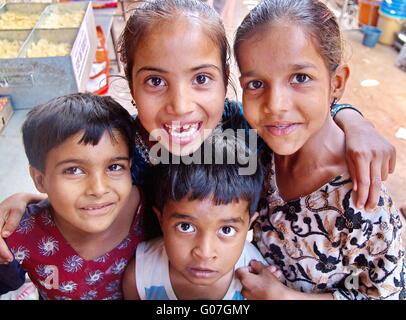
{"type": "Point", "coordinates": [182, 131]}
{"type": "Point", "coordinates": [94, 208]}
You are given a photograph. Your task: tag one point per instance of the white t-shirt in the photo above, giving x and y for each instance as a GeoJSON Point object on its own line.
{"type": "Point", "coordinates": [152, 271]}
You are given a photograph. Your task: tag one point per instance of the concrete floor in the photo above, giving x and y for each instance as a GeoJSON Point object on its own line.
{"type": "Point", "coordinates": [383, 104]}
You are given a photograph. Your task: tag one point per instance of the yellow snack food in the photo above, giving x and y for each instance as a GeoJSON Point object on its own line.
{"type": "Point", "coordinates": [9, 49]}
{"type": "Point", "coordinates": [57, 20]}
{"type": "Point", "coordinates": [45, 48]}
{"type": "Point", "coordinates": [11, 20]}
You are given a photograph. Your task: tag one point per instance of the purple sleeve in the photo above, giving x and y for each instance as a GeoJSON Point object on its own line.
{"type": "Point", "coordinates": [12, 276]}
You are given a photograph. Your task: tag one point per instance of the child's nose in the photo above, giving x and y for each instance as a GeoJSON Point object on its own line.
{"type": "Point", "coordinates": [205, 248]}
{"type": "Point", "coordinates": [181, 101]}
{"type": "Point", "coordinates": [97, 185]}
{"type": "Point", "coordinates": [277, 100]}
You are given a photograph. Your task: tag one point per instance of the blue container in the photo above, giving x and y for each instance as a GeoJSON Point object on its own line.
{"type": "Point", "coordinates": [394, 8]}
{"type": "Point", "coordinates": [371, 36]}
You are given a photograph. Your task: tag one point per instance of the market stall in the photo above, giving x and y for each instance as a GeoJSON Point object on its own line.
{"type": "Point", "coordinates": [48, 50]}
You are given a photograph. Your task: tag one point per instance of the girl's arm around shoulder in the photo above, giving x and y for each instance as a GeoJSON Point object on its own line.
{"type": "Point", "coordinates": [11, 212]}
{"type": "Point", "coordinates": [370, 157]}
{"type": "Point", "coordinates": [129, 282]}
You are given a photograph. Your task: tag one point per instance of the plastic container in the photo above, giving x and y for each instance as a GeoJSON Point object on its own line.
{"type": "Point", "coordinates": [371, 36]}
{"type": "Point", "coordinates": [389, 26]}
{"type": "Point", "coordinates": [368, 12]}
{"type": "Point", "coordinates": [395, 8]}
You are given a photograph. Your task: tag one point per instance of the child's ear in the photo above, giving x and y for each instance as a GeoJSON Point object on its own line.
{"type": "Point", "coordinates": [253, 218]}
{"type": "Point", "coordinates": [339, 80]}
{"type": "Point", "coordinates": [38, 178]}
{"type": "Point", "coordinates": [157, 213]}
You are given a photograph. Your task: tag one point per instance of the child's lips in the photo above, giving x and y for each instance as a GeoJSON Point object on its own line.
{"type": "Point", "coordinates": [202, 272]}
{"type": "Point", "coordinates": [97, 208]}
{"type": "Point", "coordinates": [282, 128]}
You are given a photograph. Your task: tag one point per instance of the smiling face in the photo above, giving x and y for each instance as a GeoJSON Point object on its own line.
{"type": "Point", "coordinates": [178, 84]}
{"type": "Point", "coordinates": [287, 87]}
{"type": "Point", "coordinates": [87, 185]}
{"type": "Point", "coordinates": [204, 241]}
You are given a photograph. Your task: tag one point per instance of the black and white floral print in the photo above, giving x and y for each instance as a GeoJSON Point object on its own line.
{"type": "Point", "coordinates": [323, 243]}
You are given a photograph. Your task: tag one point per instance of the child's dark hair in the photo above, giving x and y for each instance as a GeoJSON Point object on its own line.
{"type": "Point", "coordinates": [151, 12]}
{"type": "Point", "coordinates": [315, 16]}
{"type": "Point", "coordinates": [220, 182]}
{"type": "Point", "coordinates": [50, 124]}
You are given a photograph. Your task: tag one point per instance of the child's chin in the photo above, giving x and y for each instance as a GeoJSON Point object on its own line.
{"type": "Point", "coordinates": [96, 227]}
{"type": "Point", "coordinates": [283, 150]}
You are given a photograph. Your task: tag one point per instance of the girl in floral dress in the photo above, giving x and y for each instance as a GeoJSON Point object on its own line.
{"type": "Point", "coordinates": [289, 54]}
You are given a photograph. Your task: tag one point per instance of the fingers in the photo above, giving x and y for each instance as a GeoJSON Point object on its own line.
{"type": "Point", "coordinates": [246, 278]}
{"type": "Point", "coordinates": [38, 197]}
{"type": "Point", "coordinates": [275, 271]}
{"type": "Point", "coordinates": [278, 274]}
{"type": "Point", "coordinates": [375, 186]}
{"type": "Point", "coordinates": [256, 266]}
{"type": "Point", "coordinates": [272, 269]}
{"type": "Point", "coordinates": [353, 173]}
{"type": "Point", "coordinates": [240, 273]}
{"type": "Point", "coordinates": [392, 160]}
{"type": "Point", "coordinates": [362, 176]}
{"type": "Point", "coordinates": [12, 222]}
{"type": "Point", "coordinates": [385, 169]}
{"type": "Point", "coordinates": [5, 254]}
{"type": "Point", "coordinates": [368, 174]}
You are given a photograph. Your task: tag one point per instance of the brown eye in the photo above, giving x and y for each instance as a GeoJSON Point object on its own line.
{"type": "Point", "coordinates": [116, 167]}
{"type": "Point", "coordinates": [73, 171]}
{"type": "Point", "coordinates": [185, 227]}
{"type": "Point", "coordinates": [255, 84]}
{"type": "Point", "coordinates": [201, 79]}
{"type": "Point", "coordinates": [155, 82]}
{"type": "Point", "coordinates": [227, 231]}
{"type": "Point", "coordinates": [300, 78]}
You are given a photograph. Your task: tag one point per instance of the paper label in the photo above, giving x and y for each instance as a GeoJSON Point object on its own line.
{"type": "Point", "coordinates": [80, 51]}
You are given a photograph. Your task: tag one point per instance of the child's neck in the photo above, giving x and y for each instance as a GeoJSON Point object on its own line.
{"type": "Point", "coordinates": [185, 290]}
{"type": "Point", "coordinates": [90, 246]}
{"type": "Point", "coordinates": [321, 159]}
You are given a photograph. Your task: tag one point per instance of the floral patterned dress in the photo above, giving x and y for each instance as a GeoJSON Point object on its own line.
{"type": "Point", "coordinates": [322, 243]}
{"type": "Point", "coordinates": [56, 269]}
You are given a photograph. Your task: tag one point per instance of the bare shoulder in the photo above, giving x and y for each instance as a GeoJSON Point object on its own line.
{"type": "Point", "coordinates": [129, 282]}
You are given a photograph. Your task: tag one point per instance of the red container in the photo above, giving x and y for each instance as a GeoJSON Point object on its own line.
{"type": "Point", "coordinates": [368, 12]}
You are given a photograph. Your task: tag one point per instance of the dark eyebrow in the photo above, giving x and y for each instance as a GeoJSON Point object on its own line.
{"type": "Point", "coordinates": [294, 67]}
{"type": "Point", "coordinates": [177, 215]}
{"type": "Point", "coordinates": [151, 69]}
{"type": "Point", "coordinates": [207, 65]}
{"type": "Point", "coordinates": [202, 66]}
{"type": "Point", "coordinates": [248, 74]}
{"type": "Point", "coordinates": [119, 159]}
{"type": "Point", "coordinates": [300, 66]}
{"type": "Point", "coordinates": [233, 220]}
{"type": "Point", "coordinates": [78, 161]}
